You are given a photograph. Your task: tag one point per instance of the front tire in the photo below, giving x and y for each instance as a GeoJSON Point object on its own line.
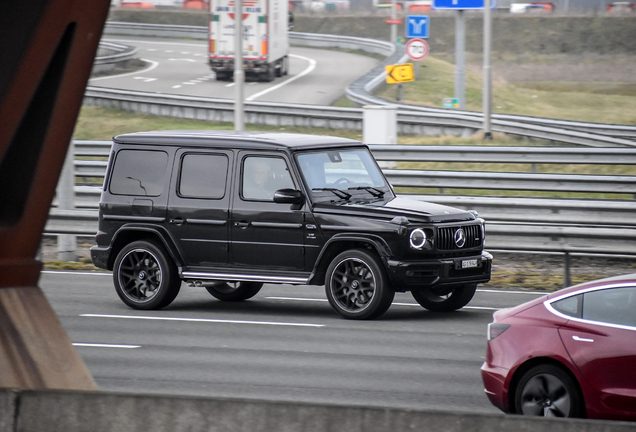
{"type": "Point", "coordinates": [145, 277]}
{"type": "Point", "coordinates": [445, 299]}
{"type": "Point", "coordinates": [548, 391]}
{"type": "Point", "coordinates": [356, 285]}
{"type": "Point", "coordinates": [234, 291]}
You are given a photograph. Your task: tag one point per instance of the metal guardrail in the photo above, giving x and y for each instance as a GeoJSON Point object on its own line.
{"type": "Point", "coordinates": [111, 54]}
{"type": "Point", "coordinates": [528, 224]}
{"type": "Point", "coordinates": [408, 178]}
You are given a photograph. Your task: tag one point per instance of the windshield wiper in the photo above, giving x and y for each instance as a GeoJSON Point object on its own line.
{"type": "Point", "coordinates": [373, 191]}
{"type": "Point", "coordinates": [337, 192]}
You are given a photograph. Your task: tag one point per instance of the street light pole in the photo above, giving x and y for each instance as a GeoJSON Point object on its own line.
{"type": "Point", "coordinates": [239, 73]}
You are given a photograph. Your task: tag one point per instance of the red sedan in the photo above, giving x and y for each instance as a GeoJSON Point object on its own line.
{"type": "Point", "coordinates": [571, 353]}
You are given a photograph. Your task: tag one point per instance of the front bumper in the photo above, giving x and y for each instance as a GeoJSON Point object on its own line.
{"type": "Point", "coordinates": [409, 275]}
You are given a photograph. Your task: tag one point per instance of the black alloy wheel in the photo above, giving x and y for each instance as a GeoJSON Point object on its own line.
{"type": "Point", "coordinates": [145, 277]}
{"type": "Point", "coordinates": [548, 391]}
{"type": "Point", "coordinates": [445, 299]}
{"type": "Point", "coordinates": [357, 286]}
{"type": "Point", "coordinates": [234, 291]}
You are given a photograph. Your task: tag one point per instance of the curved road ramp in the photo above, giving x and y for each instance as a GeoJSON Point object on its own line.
{"type": "Point", "coordinates": [71, 411]}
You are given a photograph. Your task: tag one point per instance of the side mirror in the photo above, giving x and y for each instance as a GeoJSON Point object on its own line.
{"type": "Point", "coordinates": [288, 196]}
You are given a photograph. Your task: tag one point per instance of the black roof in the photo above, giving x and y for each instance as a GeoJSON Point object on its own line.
{"type": "Point", "coordinates": [233, 139]}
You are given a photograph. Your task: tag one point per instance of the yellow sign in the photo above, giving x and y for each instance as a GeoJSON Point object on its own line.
{"type": "Point", "coordinates": [399, 73]}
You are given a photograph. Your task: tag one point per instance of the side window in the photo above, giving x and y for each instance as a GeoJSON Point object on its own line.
{"type": "Point", "coordinates": [203, 176]}
{"type": "Point", "coordinates": [570, 306]}
{"type": "Point", "coordinates": [139, 172]}
{"type": "Point", "coordinates": [262, 176]}
{"type": "Point", "coordinates": [613, 306]}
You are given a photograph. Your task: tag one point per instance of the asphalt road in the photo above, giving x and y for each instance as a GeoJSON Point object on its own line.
{"type": "Point", "coordinates": [316, 77]}
{"type": "Point", "coordinates": [284, 344]}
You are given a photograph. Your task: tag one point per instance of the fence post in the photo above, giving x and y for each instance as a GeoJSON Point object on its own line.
{"type": "Point", "coordinates": [567, 280]}
{"type": "Point", "coordinates": [67, 243]}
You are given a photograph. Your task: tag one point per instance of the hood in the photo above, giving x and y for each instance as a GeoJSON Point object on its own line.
{"type": "Point", "coordinates": [413, 210]}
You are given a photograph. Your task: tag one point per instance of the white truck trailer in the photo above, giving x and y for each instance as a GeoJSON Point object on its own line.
{"type": "Point", "coordinates": [265, 38]}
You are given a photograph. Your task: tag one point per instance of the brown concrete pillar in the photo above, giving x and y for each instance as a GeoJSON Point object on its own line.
{"type": "Point", "coordinates": [48, 47]}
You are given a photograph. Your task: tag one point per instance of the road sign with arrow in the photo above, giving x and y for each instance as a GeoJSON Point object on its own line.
{"type": "Point", "coordinates": [399, 73]}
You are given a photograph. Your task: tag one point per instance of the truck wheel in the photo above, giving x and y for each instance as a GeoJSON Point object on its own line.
{"type": "Point", "coordinates": [235, 291]}
{"type": "Point", "coordinates": [279, 70]}
{"type": "Point", "coordinates": [445, 299]}
{"type": "Point", "coordinates": [223, 76]}
{"type": "Point", "coordinates": [357, 286]}
{"type": "Point", "coordinates": [270, 74]}
{"type": "Point", "coordinates": [145, 277]}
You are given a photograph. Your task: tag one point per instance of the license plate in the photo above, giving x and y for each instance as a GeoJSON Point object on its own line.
{"type": "Point", "coordinates": [469, 263]}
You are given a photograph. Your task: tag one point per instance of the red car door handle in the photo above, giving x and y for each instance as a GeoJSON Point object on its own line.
{"type": "Point", "coordinates": [580, 339]}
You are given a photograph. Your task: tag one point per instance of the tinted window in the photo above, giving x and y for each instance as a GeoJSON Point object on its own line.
{"type": "Point", "coordinates": [614, 306]}
{"type": "Point", "coordinates": [570, 306]}
{"type": "Point", "coordinates": [262, 176]}
{"type": "Point", "coordinates": [139, 172]}
{"type": "Point", "coordinates": [203, 176]}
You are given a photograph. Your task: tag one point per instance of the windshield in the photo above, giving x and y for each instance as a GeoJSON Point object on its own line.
{"type": "Point", "coordinates": [342, 173]}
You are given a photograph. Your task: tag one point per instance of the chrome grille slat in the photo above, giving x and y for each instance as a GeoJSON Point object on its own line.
{"type": "Point", "coordinates": [446, 237]}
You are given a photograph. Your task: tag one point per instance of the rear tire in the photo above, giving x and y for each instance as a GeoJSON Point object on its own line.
{"type": "Point", "coordinates": [234, 291]}
{"type": "Point", "coordinates": [270, 75]}
{"type": "Point", "coordinates": [145, 277]}
{"type": "Point", "coordinates": [445, 299]}
{"type": "Point", "coordinates": [357, 286]}
{"type": "Point", "coordinates": [548, 391]}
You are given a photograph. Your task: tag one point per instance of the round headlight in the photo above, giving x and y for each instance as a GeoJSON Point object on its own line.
{"type": "Point", "coordinates": [417, 238]}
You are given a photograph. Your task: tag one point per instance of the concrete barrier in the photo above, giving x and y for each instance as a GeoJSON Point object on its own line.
{"type": "Point", "coordinates": [70, 411]}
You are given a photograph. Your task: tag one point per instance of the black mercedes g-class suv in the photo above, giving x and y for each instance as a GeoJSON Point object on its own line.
{"type": "Point", "coordinates": [229, 211]}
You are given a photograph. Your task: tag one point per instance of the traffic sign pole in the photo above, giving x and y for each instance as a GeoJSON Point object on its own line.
{"type": "Point", "coordinates": [487, 79]}
{"type": "Point", "coordinates": [460, 63]}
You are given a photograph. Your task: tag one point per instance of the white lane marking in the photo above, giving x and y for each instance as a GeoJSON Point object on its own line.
{"type": "Point", "coordinates": [60, 272]}
{"type": "Point", "coordinates": [205, 320]}
{"type": "Point", "coordinates": [513, 292]}
{"type": "Point", "coordinates": [176, 86]}
{"type": "Point", "coordinates": [393, 304]}
{"type": "Point", "coordinates": [96, 345]}
{"type": "Point", "coordinates": [230, 85]}
{"type": "Point", "coordinates": [311, 67]}
{"type": "Point", "coordinates": [297, 299]}
{"type": "Point", "coordinates": [145, 79]}
{"type": "Point", "coordinates": [153, 64]}
{"type": "Point", "coordinates": [187, 60]}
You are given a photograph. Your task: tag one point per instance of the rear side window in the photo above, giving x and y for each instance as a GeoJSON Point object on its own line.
{"type": "Point", "coordinates": [203, 176]}
{"type": "Point", "coordinates": [139, 172]}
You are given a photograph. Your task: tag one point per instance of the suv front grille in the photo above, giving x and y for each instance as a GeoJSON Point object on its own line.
{"type": "Point", "coordinates": [446, 237]}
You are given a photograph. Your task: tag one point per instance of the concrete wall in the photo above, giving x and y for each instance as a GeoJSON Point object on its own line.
{"type": "Point", "coordinates": [66, 411]}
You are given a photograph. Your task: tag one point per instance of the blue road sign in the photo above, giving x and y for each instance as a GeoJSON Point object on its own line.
{"type": "Point", "coordinates": [416, 26]}
{"type": "Point", "coordinates": [461, 4]}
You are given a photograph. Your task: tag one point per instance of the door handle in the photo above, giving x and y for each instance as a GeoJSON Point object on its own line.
{"type": "Point", "coordinates": [242, 224]}
{"type": "Point", "coordinates": [580, 339]}
{"type": "Point", "coordinates": [177, 221]}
